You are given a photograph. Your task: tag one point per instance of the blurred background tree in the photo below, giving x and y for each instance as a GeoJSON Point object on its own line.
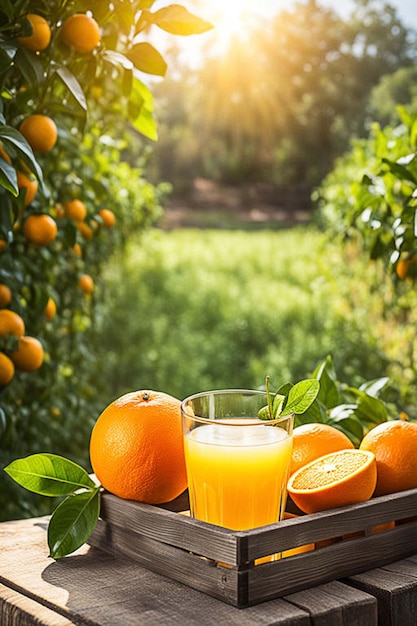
{"type": "Point", "coordinates": [284, 98]}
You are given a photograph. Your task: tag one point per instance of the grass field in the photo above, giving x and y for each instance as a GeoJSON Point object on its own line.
{"type": "Point", "coordinates": [199, 309]}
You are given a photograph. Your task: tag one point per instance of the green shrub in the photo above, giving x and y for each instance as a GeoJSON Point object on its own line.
{"type": "Point", "coordinates": [371, 198]}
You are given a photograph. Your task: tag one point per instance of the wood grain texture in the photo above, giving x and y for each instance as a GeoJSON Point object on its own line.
{"type": "Point", "coordinates": [19, 610]}
{"type": "Point", "coordinates": [337, 604]}
{"type": "Point", "coordinates": [395, 587]}
{"type": "Point", "coordinates": [167, 542]}
{"type": "Point", "coordinates": [235, 547]}
{"type": "Point", "coordinates": [170, 527]}
{"type": "Point", "coordinates": [94, 587]}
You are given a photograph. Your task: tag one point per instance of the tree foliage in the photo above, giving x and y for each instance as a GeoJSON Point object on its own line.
{"type": "Point", "coordinates": [371, 197]}
{"type": "Point", "coordinates": [100, 103]}
{"type": "Point", "coordinates": [289, 93]}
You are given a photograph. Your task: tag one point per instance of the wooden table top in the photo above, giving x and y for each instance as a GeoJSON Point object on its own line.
{"type": "Point", "coordinates": [92, 587]}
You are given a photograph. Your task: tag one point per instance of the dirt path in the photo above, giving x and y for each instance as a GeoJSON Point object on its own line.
{"type": "Point", "coordinates": [210, 205]}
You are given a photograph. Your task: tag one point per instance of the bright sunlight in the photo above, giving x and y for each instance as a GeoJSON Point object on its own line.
{"type": "Point", "coordinates": [230, 18]}
{"type": "Point", "coordinates": [235, 18]}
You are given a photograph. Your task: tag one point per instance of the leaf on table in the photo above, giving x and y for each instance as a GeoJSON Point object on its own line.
{"type": "Point", "coordinates": [73, 522]}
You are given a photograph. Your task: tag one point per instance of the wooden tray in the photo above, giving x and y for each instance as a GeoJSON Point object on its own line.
{"type": "Point", "coordinates": [228, 564]}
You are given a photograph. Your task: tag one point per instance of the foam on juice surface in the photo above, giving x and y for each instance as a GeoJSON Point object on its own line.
{"type": "Point", "coordinates": [238, 435]}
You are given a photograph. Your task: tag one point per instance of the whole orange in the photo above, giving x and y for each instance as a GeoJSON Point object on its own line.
{"type": "Point", "coordinates": [137, 449]}
{"type": "Point", "coordinates": [40, 229]}
{"type": "Point", "coordinates": [11, 324]}
{"type": "Point", "coordinates": [29, 184]}
{"type": "Point", "coordinates": [77, 250]}
{"type": "Point", "coordinates": [334, 480]}
{"type": "Point", "coordinates": [6, 369]}
{"type": "Point", "coordinates": [108, 217]}
{"type": "Point", "coordinates": [50, 309]}
{"type": "Point", "coordinates": [81, 32]}
{"type": "Point", "coordinates": [310, 441]}
{"type": "Point", "coordinates": [75, 210]}
{"type": "Point", "coordinates": [85, 230]}
{"type": "Point", "coordinates": [86, 283]}
{"type": "Point", "coordinates": [5, 296]}
{"type": "Point", "coordinates": [40, 37]}
{"type": "Point", "coordinates": [394, 444]}
{"type": "Point", "coordinates": [40, 132]}
{"type": "Point", "coordinates": [29, 354]}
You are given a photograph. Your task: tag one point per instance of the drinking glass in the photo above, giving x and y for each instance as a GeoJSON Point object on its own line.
{"type": "Point", "coordinates": [237, 464]}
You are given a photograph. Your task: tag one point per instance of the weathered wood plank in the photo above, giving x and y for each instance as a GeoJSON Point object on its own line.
{"type": "Point", "coordinates": [331, 563]}
{"type": "Point", "coordinates": [334, 604]}
{"type": "Point", "coordinates": [171, 528]}
{"type": "Point", "coordinates": [330, 524]}
{"type": "Point", "coordinates": [186, 567]}
{"type": "Point", "coordinates": [234, 547]}
{"type": "Point", "coordinates": [395, 587]}
{"type": "Point", "coordinates": [95, 587]}
{"type": "Point", "coordinates": [19, 610]}
{"type": "Point", "coordinates": [167, 542]}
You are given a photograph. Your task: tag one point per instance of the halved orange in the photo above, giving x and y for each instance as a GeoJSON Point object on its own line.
{"type": "Point", "coordinates": [333, 480]}
{"type": "Point", "coordinates": [313, 440]}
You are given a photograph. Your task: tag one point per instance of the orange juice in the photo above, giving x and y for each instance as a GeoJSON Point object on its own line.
{"type": "Point", "coordinates": [238, 474]}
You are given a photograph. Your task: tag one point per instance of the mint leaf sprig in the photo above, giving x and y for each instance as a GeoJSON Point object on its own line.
{"type": "Point", "coordinates": [75, 518]}
{"type": "Point", "coordinates": [297, 399]}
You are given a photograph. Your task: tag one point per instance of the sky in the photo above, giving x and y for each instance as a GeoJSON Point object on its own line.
{"type": "Point", "coordinates": [230, 16]}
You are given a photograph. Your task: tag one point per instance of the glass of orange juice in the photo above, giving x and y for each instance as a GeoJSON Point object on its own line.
{"type": "Point", "coordinates": [237, 464]}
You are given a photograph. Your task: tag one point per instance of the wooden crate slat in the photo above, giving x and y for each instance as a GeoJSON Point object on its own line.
{"type": "Point", "coordinates": [171, 528]}
{"type": "Point", "coordinates": [188, 550]}
{"type": "Point", "coordinates": [197, 572]}
{"type": "Point", "coordinates": [329, 524]}
{"type": "Point", "coordinates": [333, 562]}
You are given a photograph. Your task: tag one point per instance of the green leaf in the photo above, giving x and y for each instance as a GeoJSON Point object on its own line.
{"type": "Point", "coordinates": [6, 59]}
{"type": "Point", "coordinates": [72, 523]}
{"type": "Point", "coordinates": [147, 59]}
{"type": "Point", "coordinates": [3, 422]}
{"type": "Point", "coordinates": [140, 109]}
{"type": "Point", "coordinates": [278, 403]}
{"type": "Point", "coordinates": [49, 475]}
{"type": "Point", "coordinates": [30, 66]}
{"type": "Point", "coordinates": [400, 171]}
{"type": "Point", "coordinates": [315, 413]}
{"type": "Point", "coordinates": [177, 20]}
{"type": "Point", "coordinates": [352, 428]}
{"type": "Point", "coordinates": [117, 59]}
{"type": "Point", "coordinates": [11, 138]}
{"type": "Point", "coordinates": [342, 411]}
{"type": "Point", "coordinates": [72, 85]}
{"type": "Point", "coordinates": [8, 177]}
{"type": "Point", "coordinates": [344, 418]}
{"type": "Point", "coordinates": [302, 395]}
{"type": "Point", "coordinates": [285, 389]}
{"type": "Point", "coordinates": [371, 410]}
{"type": "Point", "coordinates": [263, 414]}
{"type": "Point", "coordinates": [374, 387]}
{"type": "Point", "coordinates": [146, 124]}
{"type": "Point", "coordinates": [328, 394]}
